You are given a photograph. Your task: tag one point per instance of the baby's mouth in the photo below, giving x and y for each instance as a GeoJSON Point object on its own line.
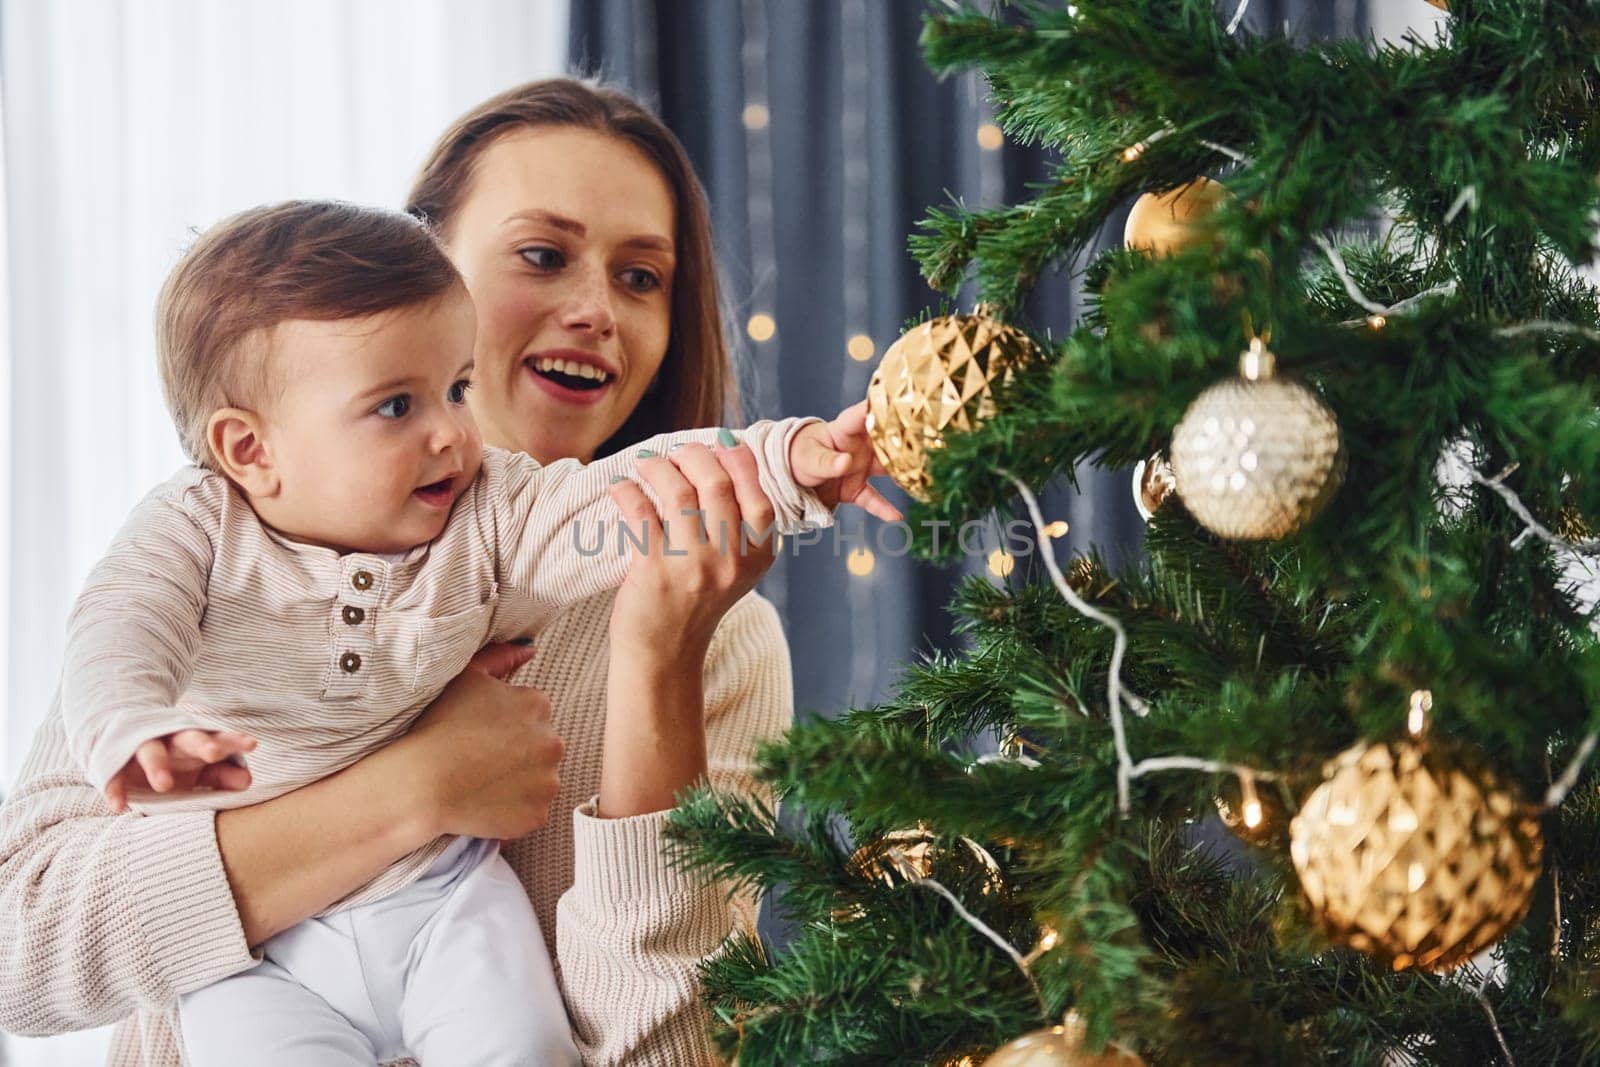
{"type": "Point", "coordinates": [438, 492]}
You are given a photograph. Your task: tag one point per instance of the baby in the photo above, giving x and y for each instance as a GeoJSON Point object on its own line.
{"type": "Point", "coordinates": [342, 548]}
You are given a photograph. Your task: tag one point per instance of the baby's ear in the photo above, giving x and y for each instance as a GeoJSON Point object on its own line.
{"type": "Point", "coordinates": [239, 449]}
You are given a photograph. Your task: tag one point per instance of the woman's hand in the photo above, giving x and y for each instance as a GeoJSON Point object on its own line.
{"type": "Point", "coordinates": [836, 459]}
{"type": "Point", "coordinates": [483, 758]}
{"type": "Point", "coordinates": [710, 548]}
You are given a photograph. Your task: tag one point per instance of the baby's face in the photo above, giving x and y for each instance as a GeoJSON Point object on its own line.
{"type": "Point", "coordinates": [370, 433]}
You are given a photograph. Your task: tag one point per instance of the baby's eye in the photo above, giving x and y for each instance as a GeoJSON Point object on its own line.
{"type": "Point", "coordinates": [395, 407]}
{"type": "Point", "coordinates": [543, 257]}
{"type": "Point", "coordinates": [641, 280]}
{"type": "Point", "coordinates": [458, 391]}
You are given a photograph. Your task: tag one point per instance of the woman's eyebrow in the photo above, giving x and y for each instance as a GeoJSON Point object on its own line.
{"type": "Point", "coordinates": [549, 218]}
{"type": "Point", "coordinates": [649, 241]}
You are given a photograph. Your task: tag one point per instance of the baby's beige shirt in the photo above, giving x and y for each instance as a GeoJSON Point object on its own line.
{"type": "Point", "coordinates": [202, 616]}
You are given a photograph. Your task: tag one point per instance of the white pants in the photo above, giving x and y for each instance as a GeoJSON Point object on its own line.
{"type": "Point", "coordinates": [449, 970]}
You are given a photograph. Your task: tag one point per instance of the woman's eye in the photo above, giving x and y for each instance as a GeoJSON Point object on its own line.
{"type": "Point", "coordinates": [395, 406]}
{"type": "Point", "coordinates": [458, 391]}
{"type": "Point", "coordinates": [543, 257]}
{"type": "Point", "coordinates": [640, 280]}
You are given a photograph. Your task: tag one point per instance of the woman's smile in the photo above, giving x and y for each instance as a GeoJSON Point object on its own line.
{"type": "Point", "coordinates": [570, 375]}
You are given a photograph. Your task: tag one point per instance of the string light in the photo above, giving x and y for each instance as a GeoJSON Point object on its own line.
{"type": "Point", "coordinates": [756, 117]}
{"type": "Point", "coordinates": [1056, 529]}
{"type": "Point", "coordinates": [1377, 322]}
{"type": "Point", "coordinates": [1133, 152]}
{"type": "Point", "coordinates": [761, 327]}
{"type": "Point", "coordinates": [1417, 717]}
{"type": "Point", "coordinates": [1250, 809]}
{"type": "Point", "coordinates": [1001, 563]}
{"type": "Point", "coordinates": [860, 347]}
{"type": "Point", "coordinates": [860, 562]}
{"type": "Point", "coordinates": [990, 137]}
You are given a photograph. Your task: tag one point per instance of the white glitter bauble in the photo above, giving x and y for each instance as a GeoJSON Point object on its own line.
{"type": "Point", "coordinates": [1255, 457]}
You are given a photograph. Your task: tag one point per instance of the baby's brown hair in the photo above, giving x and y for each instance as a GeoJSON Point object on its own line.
{"type": "Point", "coordinates": [301, 259]}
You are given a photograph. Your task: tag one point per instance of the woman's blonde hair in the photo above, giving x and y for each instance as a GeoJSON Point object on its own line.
{"type": "Point", "coordinates": [695, 385]}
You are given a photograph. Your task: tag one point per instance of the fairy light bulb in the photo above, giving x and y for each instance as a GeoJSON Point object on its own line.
{"type": "Point", "coordinates": [1250, 809]}
{"type": "Point", "coordinates": [1417, 717]}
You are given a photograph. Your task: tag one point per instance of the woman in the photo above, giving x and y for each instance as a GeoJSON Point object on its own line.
{"type": "Point", "coordinates": [582, 234]}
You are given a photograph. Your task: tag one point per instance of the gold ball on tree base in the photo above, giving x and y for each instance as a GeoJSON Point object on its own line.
{"type": "Point", "coordinates": [1256, 457]}
{"type": "Point", "coordinates": [1415, 854]}
{"type": "Point", "coordinates": [1060, 1046]}
{"type": "Point", "coordinates": [938, 376]}
{"type": "Point", "coordinates": [1164, 223]}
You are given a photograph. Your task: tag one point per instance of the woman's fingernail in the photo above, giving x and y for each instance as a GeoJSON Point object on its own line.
{"type": "Point", "coordinates": [726, 439]}
{"type": "Point", "coordinates": [645, 453]}
{"type": "Point", "coordinates": [617, 479]}
{"type": "Point", "coordinates": [523, 641]}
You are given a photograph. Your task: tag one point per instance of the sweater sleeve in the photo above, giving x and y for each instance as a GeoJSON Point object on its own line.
{"type": "Point", "coordinates": [559, 539]}
{"type": "Point", "coordinates": [633, 928]}
{"type": "Point", "coordinates": [101, 914]}
{"type": "Point", "coordinates": [132, 637]}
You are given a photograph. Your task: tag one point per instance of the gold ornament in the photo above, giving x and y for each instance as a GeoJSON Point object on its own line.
{"type": "Point", "coordinates": [1164, 223]}
{"type": "Point", "coordinates": [937, 376]}
{"type": "Point", "coordinates": [1152, 484]}
{"type": "Point", "coordinates": [1571, 526]}
{"type": "Point", "coordinates": [1060, 1046]}
{"type": "Point", "coordinates": [1442, 5]}
{"type": "Point", "coordinates": [902, 856]}
{"type": "Point", "coordinates": [1257, 457]}
{"type": "Point", "coordinates": [1415, 854]}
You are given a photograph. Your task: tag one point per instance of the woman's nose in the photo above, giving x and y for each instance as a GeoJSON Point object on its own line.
{"type": "Point", "coordinates": [588, 307]}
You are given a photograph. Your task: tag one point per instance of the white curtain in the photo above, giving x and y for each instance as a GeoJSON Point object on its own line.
{"type": "Point", "coordinates": [129, 125]}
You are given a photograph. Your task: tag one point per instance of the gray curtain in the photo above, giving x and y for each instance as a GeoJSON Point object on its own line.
{"type": "Point", "coordinates": [822, 138]}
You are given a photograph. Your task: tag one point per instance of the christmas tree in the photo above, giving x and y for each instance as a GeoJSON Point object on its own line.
{"type": "Point", "coordinates": [1355, 632]}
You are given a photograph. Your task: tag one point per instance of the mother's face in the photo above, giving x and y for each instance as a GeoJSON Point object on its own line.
{"type": "Point", "coordinates": [565, 240]}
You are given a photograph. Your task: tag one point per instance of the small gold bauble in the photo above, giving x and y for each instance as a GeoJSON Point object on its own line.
{"type": "Point", "coordinates": [1153, 482]}
{"type": "Point", "coordinates": [1415, 854]}
{"type": "Point", "coordinates": [902, 856]}
{"type": "Point", "coordinates": [1060, 1046]}
{"type": "Point", "coordinates": [1256, 457]}
{"type": "Point", "coordinates": [1571, 526]}
{"type": "Point", "coordinates": [1163, 223]}
{"type": "Point", "coordinates": [938, 376]}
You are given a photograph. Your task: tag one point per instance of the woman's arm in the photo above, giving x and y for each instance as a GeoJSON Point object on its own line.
{"type": "Point", "coordinates": [633, 928]}
{"type": "Point", "coordinates": [102, 915]}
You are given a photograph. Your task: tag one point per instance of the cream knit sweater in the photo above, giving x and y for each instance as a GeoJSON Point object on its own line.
{"type": "Point", "coordinates": [106, 918]}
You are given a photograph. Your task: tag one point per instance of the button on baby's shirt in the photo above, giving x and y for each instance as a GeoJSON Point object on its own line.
{"type": "Point", "coordinates": [350, 663]}
{"type": "Point", "coordinates": [354, 616]}
{"type": "Point", "coordinates": [362, 580]}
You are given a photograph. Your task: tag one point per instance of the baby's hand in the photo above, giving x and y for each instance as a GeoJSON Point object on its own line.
{"type": "Point", "coordinates": [188, 761]}
{"type": "Point", "coordinates": [836, 459]}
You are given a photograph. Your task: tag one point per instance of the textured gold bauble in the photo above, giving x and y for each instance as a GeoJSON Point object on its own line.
{"type": "Point", "coordinates": [1256, 457]}
{"type": "Point", "coordinates": [1163, 223]}
{"type": "Point", "coordinates": [902, 856]}
{"type": "Point", "coordinates": [1153, 482]}
{"type": "Point", "coordinates": [1060, 1046]}
{"type": "Point", "coordinates": [1415, 854]}
{"type": "Point", "coordinates": [1571, 526]}
{"type": "Point", "coordinates": [938, 376]}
